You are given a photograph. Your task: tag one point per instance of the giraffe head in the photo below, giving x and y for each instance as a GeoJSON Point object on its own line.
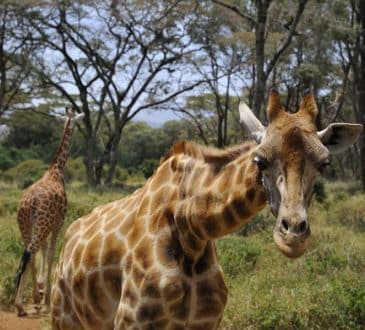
{"type": "Point", "coordinates": [290, 155]}
{"type": "Point", "coordinates": [70, 117]}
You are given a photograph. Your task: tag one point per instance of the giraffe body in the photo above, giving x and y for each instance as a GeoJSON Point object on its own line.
{"type": "Point", "coordinates": [41, 214]}
{"type": "Point", "coordinates": [148, 261]}
{"type": "Point", "coordinates": [137, 262]}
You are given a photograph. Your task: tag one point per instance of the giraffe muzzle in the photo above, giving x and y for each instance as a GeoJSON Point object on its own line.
{"type": "Point", "coordinates": [292, 237]}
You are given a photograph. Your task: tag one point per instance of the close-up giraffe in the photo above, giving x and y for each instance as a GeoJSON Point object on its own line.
{"type": "Point", "coordinates": [41, 212]}
{"type": "Point", "coordinates": [148, 261]}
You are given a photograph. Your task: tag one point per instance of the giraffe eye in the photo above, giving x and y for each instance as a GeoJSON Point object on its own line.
{"type": "Point", "coordinates": [261, 164]}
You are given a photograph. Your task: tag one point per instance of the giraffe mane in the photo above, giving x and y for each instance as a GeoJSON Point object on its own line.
{"type": "Point", "coordinates": [55, 156]}
{"type": "Point", "coordinates": [208, 154]}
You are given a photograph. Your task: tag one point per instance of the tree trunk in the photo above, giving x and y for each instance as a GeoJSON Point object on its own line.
{"type": "Point", "coordinates": [220, 131]}
{"type": "Point", "coordinates": [112, 166]}
{"type": "Point", "coordinates": [260, 83]}
{"type": "Point", "coordinates": [89, 162]}
{"type": "Point", "coordinates": [361, 87]}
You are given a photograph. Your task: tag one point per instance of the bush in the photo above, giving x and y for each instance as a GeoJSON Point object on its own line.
{"type": "Point", "coordinates": [11, 247]}
{"type": "Point", "coordinates": [324, 260]}
{"type": "Point", "coordinates": [6, 159]}
{"type": "Point", "coordinates": [75, 170]}
{"type": "Point", "coordinates": [341, 304]}
{"type": "Point", "coordinates": [319, 191]}
{"type": "Point", "coordinates": [148, 166]}
{"type": "Point", "coordinates": [264, 221]}
{"type": "Point", "coordinates": [348, 211]}
{"type": "Point", "coordinates": [121, 174]}
{"type": "Point", "coordinates": [26, 172]}
{"type": "Point", "coordinates": [236, 255]}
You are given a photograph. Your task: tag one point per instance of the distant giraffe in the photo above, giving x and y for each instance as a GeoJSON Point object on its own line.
{"type": "Point", "coordinates": [41, 212]}
{"type": "Point", "coordinates": [148, 261]}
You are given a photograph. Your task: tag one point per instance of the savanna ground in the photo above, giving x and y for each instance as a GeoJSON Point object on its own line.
{"type": "Point", "coordinates": [325, 289]}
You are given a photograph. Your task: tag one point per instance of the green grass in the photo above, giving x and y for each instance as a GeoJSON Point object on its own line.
{"type": "Point", "coordinates": [324, 289]}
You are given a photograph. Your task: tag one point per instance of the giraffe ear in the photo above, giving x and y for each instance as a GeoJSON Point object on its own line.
{"type": "Point", "coordinates": [274, 106]}
{"type": "Point", "coordinates": [251, 123]}
{"type": "Point", "coordinates": [338, 137]}
{"type": "Point", "coordinates": [308, 105]}
{"type": "Point", "coordinates": [79, 116]}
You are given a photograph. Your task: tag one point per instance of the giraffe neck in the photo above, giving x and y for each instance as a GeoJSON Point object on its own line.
{"type": "Point", "coordinates": [59, 160]}
{"type": "Point", "coordinates": [216, 195]}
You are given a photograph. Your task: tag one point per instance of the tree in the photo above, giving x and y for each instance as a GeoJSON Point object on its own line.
{"type": "Point", "coordinates": [207, 119]}
{"type": "Point", "coordinates": [359, 65]}
{"type": "Point", "coordinates": [113, 72]}
{"type": "Point", "coordinates": [256, 15]}
{"type": "Point", "coordinates": [220, 63]}
{"type": "Point", "coordinates": [14, 64]}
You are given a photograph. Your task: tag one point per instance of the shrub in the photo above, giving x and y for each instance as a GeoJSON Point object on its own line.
{"type": "Point", "coordinates": [319, 191]}
{"type": "Point", "coordinates": [6, 160]}
{"type": "Point", "coordinates": [121, 174]}
{"type": "Point", "coordinates": [236, 255]}
{"type": "Point", "coordinates": [26, 172]}
{"type": "Point", "coordinates": [148, 166]}
{"type": "Point", "coordinates": [11, 247]}
{"type": "Point", "coordinates": [264, 221]}
{"type": "Point", "coordinates": [75, 170]}
{"type": "Point", "coordinates": [341, 304]}
{"type": "Point", "coordinates": [321, 261]}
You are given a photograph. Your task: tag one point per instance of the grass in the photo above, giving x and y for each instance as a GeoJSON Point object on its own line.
{"type": "Point", "coordinates": [325, 289]}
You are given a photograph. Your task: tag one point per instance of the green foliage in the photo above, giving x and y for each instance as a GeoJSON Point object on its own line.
{"type": "Point", "coordinates": [236, 255]}
{"type": "Point", "coordinates": [11, 247]}
{"type": "Point", "coordinates": [121, 174]}
{"type": "Point", "coordinates": [28, 128]}
{"type": "Point", "coordinates": [148, 166]}
{"type": "Point", "coordinates": [75, 170]}
{"type": "Point", "coordinates": [26, 172]}
{"type": "Point", "coordinates": [347, 210]}
{"type": "Point", "coordinates": [340, 303]}
{"type": "Point", "coordinates": [324, 289]}
{"type": "Point", "coordinates": [142, 146]}
{"type": "Point", "coordinates": [319, 191]}
{"type": "Point", "coordinates": [11, 156]}
{"type": "Point", "coordinates": [141, 142]}
{"type": "Point", "coordinates": [6, 159]}
{"type": "Point", "coordinates": [263, 221]}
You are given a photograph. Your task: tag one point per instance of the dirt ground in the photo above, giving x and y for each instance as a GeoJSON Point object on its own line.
{"type": "Point", "coordinates": [33, 321]}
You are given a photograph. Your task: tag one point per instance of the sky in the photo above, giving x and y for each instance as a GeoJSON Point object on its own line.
{"type": "Point", "coordinates": [155, 118]}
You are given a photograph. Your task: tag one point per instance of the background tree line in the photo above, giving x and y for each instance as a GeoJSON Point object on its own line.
{"type": "Point", "coordinates": [114, 59]}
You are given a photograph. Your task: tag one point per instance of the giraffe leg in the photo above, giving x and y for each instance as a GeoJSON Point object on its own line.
{"type": "Point", "coordinates": [51, 253]}
{"type": "Point", "coordinates": [42, 271]}
{"type": "Point", "coordinates": [36, 296]}
{"type": "Point", "coordinates": [21, 280]}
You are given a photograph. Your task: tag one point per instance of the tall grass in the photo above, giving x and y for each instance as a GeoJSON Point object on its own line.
{"type": "Point", "coordinates": [325, 289]}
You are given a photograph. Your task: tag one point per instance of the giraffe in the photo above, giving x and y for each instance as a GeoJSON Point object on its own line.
{"type": "Point", "coordinates": [41, 211]}
{"type": "Point", "coordinates": [148, 260]}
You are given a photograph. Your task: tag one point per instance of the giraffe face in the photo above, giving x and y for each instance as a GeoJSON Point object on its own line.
{"type": "Point", "coordinates": [73, 117]}
{"type": "Point", "coordinates": [69, 117]}
{"type": "Point", "coordinates": [290, 155]}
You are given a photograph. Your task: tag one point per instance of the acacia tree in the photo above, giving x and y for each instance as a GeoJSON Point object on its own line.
{"type": "Point", "coordinates": [264, 23]}
{"type": "Point", "coordinates": [112, 60]}
{"type": "Point", "coordinates": [220, 63]}
{"type": "Point", "coordinates": [14, 65]}
{"type": "Point", "coordinates": [358, 65]}
{"type": "Point", "coordinates": [202, 114]}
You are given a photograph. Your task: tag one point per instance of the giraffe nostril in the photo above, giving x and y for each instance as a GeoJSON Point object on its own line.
{"type": "Point", "coordinates": [284, 225]}
{"type": "Point", "coordinates": [302, 227]}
